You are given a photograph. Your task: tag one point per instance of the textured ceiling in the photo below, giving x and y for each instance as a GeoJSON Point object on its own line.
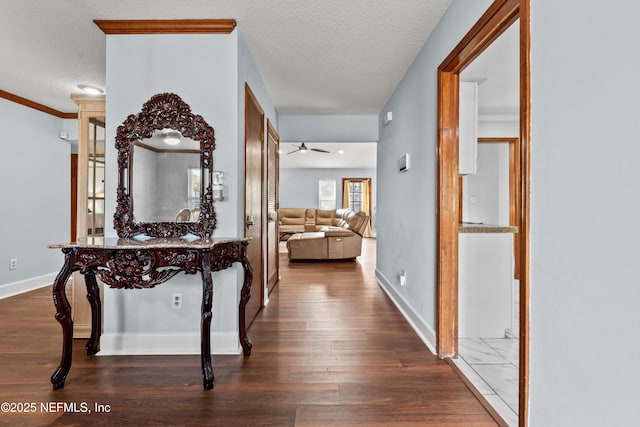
{"type": "Point", "coordinates": [320, 57]}
{"type": "Point", "coordinates": [348, 155]}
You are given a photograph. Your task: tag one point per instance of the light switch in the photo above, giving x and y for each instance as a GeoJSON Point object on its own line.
{"type": "Point", "coordinates": [473, 199]}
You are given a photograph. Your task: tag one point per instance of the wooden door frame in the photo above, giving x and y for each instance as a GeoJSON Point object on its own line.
{"type": "Point", "coordinates": [498, 17]}
{"type": "Point", "coordinates": [74, 197]}
{"type": "Point", "coordinates": [249, 96]}
{"type": "Point", "coordinates": [273, 134]}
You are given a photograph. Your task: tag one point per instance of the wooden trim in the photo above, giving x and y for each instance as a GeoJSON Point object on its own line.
{"type": "Point", "coordinates": [515, 184]}
{"type": "Point", "coordinates": [272, 134]}
{"type": "Point", "coordinates": [74, 196]}
{"type": "Point", "coordinates": [447, 215]}
{"type": "Point", "coordinates": [500, 15]}
{"type": "Point", "coordinates": [250, 96]}
{"type": "Point", "coordinates": [88, 108]}
{"type": "Point", "coordinates": [167, 26]}
{"type": "Point", "coordinates": [525, 173]}
{"type": "Point", "coordinates": [483, 401]}
{"type": "Point", "coordinates": [36, 106]}
{"type": "Point", "coordinates": [460, 198]}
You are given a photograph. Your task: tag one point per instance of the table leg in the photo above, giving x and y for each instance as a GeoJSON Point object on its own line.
{"type": "Point", "coordinates": [93, 296]}
{"type": "Point", "coordinates": [205, 338]}
{"type": "Point", "coordinates": [245, 294]}
{"type": "Point", "coordinates": [63, 316]}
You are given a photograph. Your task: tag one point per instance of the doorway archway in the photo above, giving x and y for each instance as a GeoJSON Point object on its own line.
{"type": "Point", "coordinates": [500, 15]}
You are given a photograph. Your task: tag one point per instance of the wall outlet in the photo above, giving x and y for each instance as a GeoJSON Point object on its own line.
{"type": "Point", "coordinates": [13, 263]}
{"type": "Point", "coordinates": [403, 278]}
{"type": "Point", "coordinates": [176, 301]}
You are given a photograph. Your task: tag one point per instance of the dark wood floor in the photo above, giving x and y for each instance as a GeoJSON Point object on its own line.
{"type": "Point", "coordinates": [329, 349]}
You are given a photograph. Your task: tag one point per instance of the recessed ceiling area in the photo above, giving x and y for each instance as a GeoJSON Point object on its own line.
{"type": "Point", "coordinates": [355, 155]}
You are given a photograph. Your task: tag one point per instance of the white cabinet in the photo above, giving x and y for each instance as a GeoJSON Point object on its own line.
{"type": "Point", "coordinates": [485, 284]}
{"type": "Point", "coordinates": [468, 128]}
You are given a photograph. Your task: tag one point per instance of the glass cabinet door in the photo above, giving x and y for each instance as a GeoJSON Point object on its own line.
{"type": "Point", "coordinates": [95, 177]}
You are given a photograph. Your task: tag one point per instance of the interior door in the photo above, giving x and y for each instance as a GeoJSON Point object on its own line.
{"type": "Point", "coordinates": [273, 167]}
{"type": "Point", "coordinates": [253, 189]}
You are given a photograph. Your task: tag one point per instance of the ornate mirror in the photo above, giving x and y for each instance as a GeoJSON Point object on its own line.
{"type": "Point", "coordinates": [165, 163]}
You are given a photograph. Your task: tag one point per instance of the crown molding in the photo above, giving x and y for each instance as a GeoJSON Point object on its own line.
{"type": "Point", "coordinates": [167, 26]}
{"type": "Point", "coordinates": [36, 106]}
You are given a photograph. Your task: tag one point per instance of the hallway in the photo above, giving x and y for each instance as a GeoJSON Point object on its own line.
{"type": "Point", "coordinates": [329, 349]}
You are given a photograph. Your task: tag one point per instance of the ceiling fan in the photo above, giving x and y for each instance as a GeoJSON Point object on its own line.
{"type": "Point", "coordinates": [303, 149]}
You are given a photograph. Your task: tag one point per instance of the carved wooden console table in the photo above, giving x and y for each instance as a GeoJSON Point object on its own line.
{"type": "Point", "coordinates": [145, 263]}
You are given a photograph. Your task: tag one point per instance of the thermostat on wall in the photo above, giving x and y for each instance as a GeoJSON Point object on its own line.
{"type": "Point", "coordinates": [403, 163]}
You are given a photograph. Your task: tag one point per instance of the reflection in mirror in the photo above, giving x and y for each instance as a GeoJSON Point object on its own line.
{"type": "Point", "coordinates": [167, 178]}
{"type": "Point", "coordinates": [167, 190]}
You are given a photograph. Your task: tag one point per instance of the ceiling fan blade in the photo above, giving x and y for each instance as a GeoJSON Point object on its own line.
{"type": "Point", "coordinates": [294, 151]}
{"type": "Point", "coordinates": [319, 150]}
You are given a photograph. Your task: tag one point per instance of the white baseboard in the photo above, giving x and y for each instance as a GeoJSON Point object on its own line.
{"type": "Point", "coordinates": [16, 288]}
{"type": "Point", "coordinates": [424, 331]}
{"type": "Point", "coordinates": [166, 343]}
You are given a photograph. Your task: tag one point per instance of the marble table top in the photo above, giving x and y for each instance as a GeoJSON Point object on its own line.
{"type": "Point", "coordinates": [473, 227]}
{"type": "Point", "coordinates": [142, 242]}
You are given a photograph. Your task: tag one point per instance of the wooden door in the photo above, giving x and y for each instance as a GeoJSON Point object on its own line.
{"type": "Point", "coordinates": [273, 176]}
{"type": "Point", "coordinates": [253, 188]}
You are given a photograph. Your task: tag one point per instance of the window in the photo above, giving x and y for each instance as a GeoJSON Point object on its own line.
{"type": "Point", "coordinates": [327, 194]}
{"type": "Point", "coordinates": [355, 196]}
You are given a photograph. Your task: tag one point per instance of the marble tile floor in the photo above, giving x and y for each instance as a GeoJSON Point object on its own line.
{"type": "Point", "coordinates": [491, 364]}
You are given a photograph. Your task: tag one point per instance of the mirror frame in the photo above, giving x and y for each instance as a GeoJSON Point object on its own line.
{"type": "Point", "coordinates": [164, 110]}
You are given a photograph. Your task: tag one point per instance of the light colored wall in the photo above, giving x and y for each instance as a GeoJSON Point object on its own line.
{"type": "Point", "coordinates": [329, 128]}
{"type": "Point", "coordinates": [174, 195]}
{"type": "Point", "coordinates": [137, 68]}
{"type": "Point", "coordinates": [35, 194]}
{"type": "Point", "coordinates": [486, 193]}
{"type": "Point", "coordinates": [584, 177]}
{"type": "Point", "coordinates": [407, 201]}
{"type": "Point", "coordinates": [493, 128]}
{"type": "Point", "coordinates": [584, 195]}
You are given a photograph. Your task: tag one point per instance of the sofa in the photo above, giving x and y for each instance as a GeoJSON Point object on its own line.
{"type": "Point", "coordinates": [322, 234]}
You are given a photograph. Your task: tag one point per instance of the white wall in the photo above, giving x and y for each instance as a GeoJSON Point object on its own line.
{"type": "Point", "coordinates": [498, 128]}
{"type": "Point", "coordinates": [329, 128]}
{"type": "Point", "coordinates": [203, 71]}
{"type": "Point", "coordinates": [585, 146]}
{"type": "Point", "coordinates": [486, 193]}
{"type": "Point", "coordinates": [407, 201]}
{"type": "Point", "coordinates": [35, 172]}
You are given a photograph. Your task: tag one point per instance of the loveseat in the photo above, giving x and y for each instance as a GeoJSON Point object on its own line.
{"type": "Point", "coordinates": [322, 234]}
